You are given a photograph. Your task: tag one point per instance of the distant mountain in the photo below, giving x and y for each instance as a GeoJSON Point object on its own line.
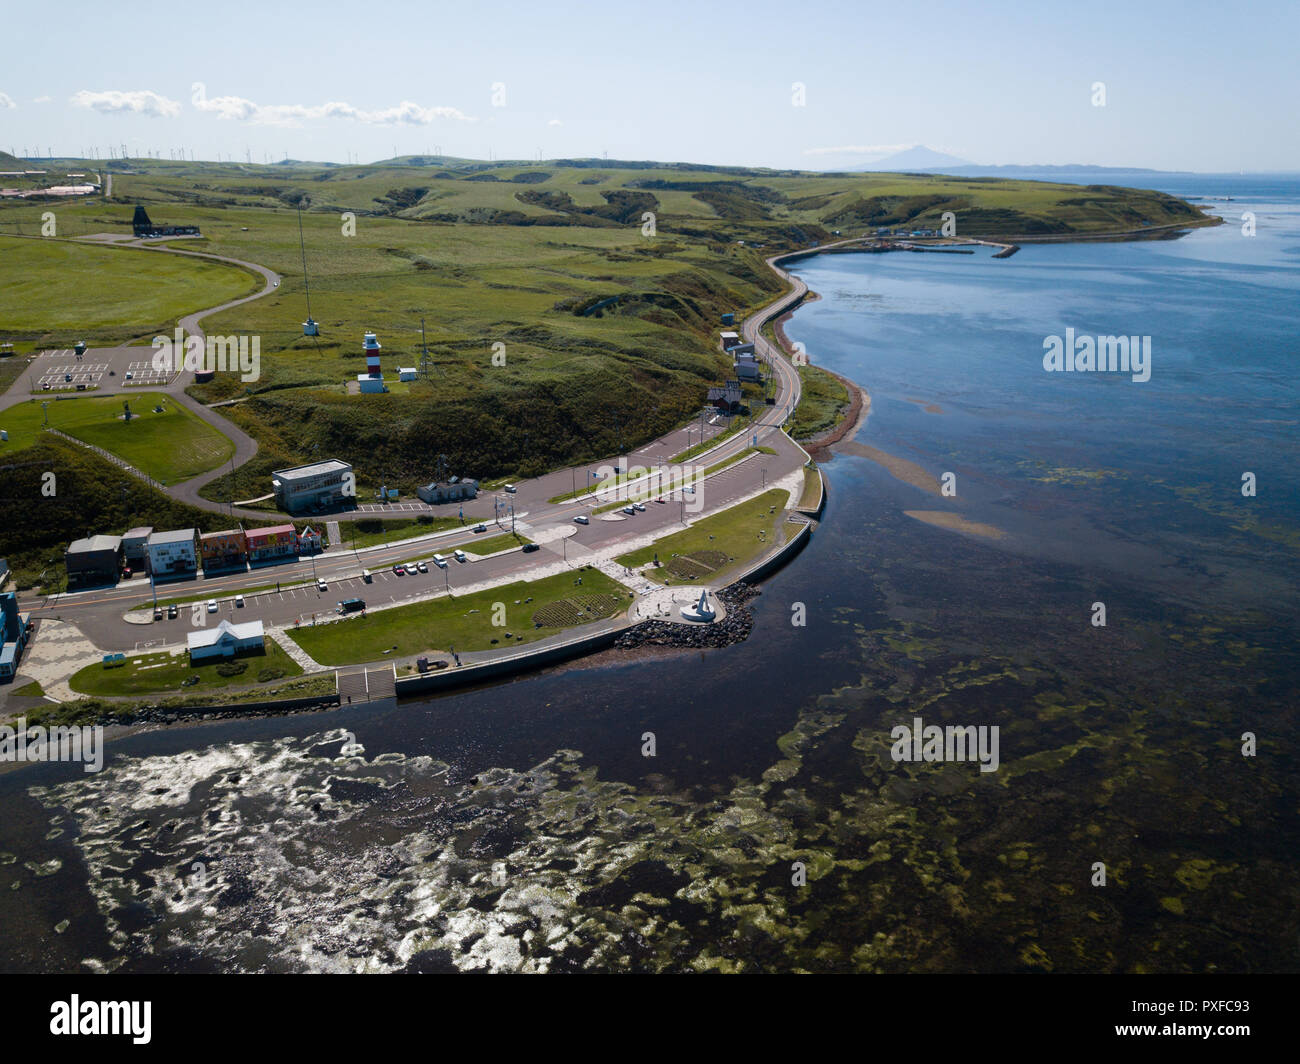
{"type": "Point", "coordinates": [919, 158]}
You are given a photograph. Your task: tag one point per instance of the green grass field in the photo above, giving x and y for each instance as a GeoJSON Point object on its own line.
{"type": "Point", "coordinates": [54, 288]}
{"type": "Point", "coordinates": [740, 533]}
{"type": "Point", "coordinates": [465, 622]}
{"type": "Point", "coordinates": [164, 672]}
{"type": "Point", "coordinates": [371, 532]}
{"type": "Point", "coordinates": [172, 446]}
{"type": "Point", "coordinates": [506, 541]}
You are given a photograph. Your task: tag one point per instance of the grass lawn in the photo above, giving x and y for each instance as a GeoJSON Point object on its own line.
{"type": "Point", "coordinates": [30, 690]}
{"type": "Point", "coordinates": [822, 403]}
{"type": "Point", "coordinates": [465, 621]}
{"type": "Point", "coordinates": [726, 539]}
{"type": "Point", "coordinates": [493, 544]}
{"type": "Point", "coordinates": [172, 446]}
{"type": "Point", "coordinates": [812, 487]}
{"type": "Point", "coordinates": [371, 532]}
{"type": "Point", "coordinates": [104, 293]}
{"type": "Point", "coordinates": [150, 673]}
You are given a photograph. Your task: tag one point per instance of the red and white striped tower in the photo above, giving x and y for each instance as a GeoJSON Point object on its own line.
{"type": "Point", "coordinates": [372, 355]}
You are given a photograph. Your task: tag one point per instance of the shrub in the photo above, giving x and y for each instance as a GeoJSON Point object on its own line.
{"type": "Point", "coordinates": [231, 668]}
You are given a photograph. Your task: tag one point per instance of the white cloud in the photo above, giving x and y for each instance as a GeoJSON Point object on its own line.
{"type": "Point", "coordinates": [860, 149]}
{"type": "Point", "coordinates": [43, 99]}
{"type": "Point", "coordinates": [114, 101]}
{"type": "Point", "coordinates": [239, 109]}
{"type": "Point", "coordinates": [555, 122]}
{"type": "Point", "coordinates": [6, 102]}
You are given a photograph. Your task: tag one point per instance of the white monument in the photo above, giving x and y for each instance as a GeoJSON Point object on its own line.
{"type": "Point", "coordinates": [699, 611]}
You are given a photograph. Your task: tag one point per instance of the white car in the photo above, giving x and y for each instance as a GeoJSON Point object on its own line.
{"type": "Point", "coordinates": [510, 489]}
{"type": "Point", "coordinates": [440, 561]}
{"type": "Point", "coordinates": [639, 506]}
{"type": "Point", "coordinates": [322, 586]}
{"type": "Point", "coordinates": [582, 519]}
{"type": "Point", "coordinates": [239, 601]}
{"type": "Point", "coordinates": [212, 605]}
{"type": "Point", "coordinates": [629, 511]}
{"type": "Point", "coordinates": [422, 566]}
{"type": "Point", "coordinates": [460, 556]}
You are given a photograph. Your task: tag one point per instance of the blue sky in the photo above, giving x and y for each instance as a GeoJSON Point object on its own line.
{"type": "Point", "coordinates": [1197, 86]}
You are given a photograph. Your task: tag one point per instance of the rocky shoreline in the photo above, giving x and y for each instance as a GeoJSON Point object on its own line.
{"type": "Point", "coordinates": [734, 628]}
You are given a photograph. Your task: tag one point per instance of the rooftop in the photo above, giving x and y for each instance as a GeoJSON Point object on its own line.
{"type": "Point", "coordinates": [211, 636]}
{"type": "Point", "coordinates": [180, 535]}
{"type": "Point", "coordinates": [274, 530]}
{"type": "Point", "coordinates": [142, 532]}
{"type": "Point", "coordinates": [315, 469]}
{"type": "Point", "coordinates": [95, 543]}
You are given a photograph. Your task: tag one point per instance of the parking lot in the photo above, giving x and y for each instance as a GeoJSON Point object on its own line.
{"type": "Point", "coordinates": [63, 371]}
{"type": "Point", "coordinates": [60, 370]}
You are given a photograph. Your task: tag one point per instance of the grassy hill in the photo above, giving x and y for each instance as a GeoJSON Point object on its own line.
{"type": "Point", "coordinates": [609, 335]}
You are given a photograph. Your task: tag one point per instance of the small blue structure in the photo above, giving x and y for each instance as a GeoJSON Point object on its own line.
{"type": "Point", "coordinates": [14, 627]}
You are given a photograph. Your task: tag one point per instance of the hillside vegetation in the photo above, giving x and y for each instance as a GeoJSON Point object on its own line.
{"type": "Point", "coordinates": [558, 329]}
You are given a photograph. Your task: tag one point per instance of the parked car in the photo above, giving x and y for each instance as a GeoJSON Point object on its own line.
{"type": "Point", "coordinates": [460, 556]}
{"type": "Point", "coordinates": [239, 601]}
{"type": "Point", "coordinates": [157, 615]}
{"type": "Point", "coordinates": [639, 506]}
{"type": "Point", "coordinates": [399, 570]}
{"type": "Point", "coordinates": [212, 605]}
{"type": "Point", "coordinates": [367, 576]}
{"type": "Point", "coordinates": [582, 519]}
{"type": "Point", "coordinates": [440, 561]}
{"type": "Point", "coordinates": [411, 570]}
{"type": "Point", "coordinates": [171, 610]}
{"type": "Point", "coordinates": [352, 605]}
{"type": "Point", "coordinates": [322, 586]}
{"type": "Point", "coordinates": [510, 489]}
{"type": "Point", "coordinates": [629, 511]}
{"type": "Point", "coordinates": [528, 548]}
{"type": "Point", "coordinates": [422, 566]}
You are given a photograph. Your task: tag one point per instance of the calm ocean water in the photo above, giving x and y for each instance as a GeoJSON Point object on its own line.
{"type": "Point", "coordinates": [519, 828]}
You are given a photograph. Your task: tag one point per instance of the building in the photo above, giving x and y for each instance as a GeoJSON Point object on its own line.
{"type": "Point", "coordinates": [14, 627]}
{"type": "Point", "coordinates": [373, 378]}
{"type": "Point", "coordinates": [223, 550]}
{"type": "Point", "coordinates": [225, 640]}
{"type": "Point", "coordinates": [309, 541]}
{"type": "Point", "coordinates": [406, 373]}
{"type": "Point", "coordinates": [730, 339]}
{"type": "Point", "coordinates": [454, 490]}
{"type": "Point", "coordinates": [746, 366]}
{"type": "Point", "coordinates": [4, 572]}
{"type": "Point", "coordinates": [172, 553]}
{"type": "Point", "coordinates": [271, 544]}
{"type": "Point", "coordinates": [95, 560]}
{"type": "Point", "coordinates": [144, 227]}
{"type": "Point", "coordinates": [324, 485]}
{"type": "Point", "coordinates": [135, 547]}
{"type": "Point", "coordinates": [726, 397]}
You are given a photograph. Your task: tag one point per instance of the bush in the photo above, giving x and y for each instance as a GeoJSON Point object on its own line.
{"type": "Point", "coordinates": [231, 668]}
{"type": "Point", "coordinates": [269, 673]}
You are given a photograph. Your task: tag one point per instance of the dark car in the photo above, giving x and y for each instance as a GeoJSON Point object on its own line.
{"type": "Point", "coordinates": [530, 547]}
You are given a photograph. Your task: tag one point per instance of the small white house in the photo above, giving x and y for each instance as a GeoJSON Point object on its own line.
{"type": "Point", "coordinates": [225, 640]}
{"type": "Point", "coordinates": [406, 373]}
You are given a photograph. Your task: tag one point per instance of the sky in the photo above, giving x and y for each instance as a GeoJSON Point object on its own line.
{"type": "Point", "coordinates": [810, 85]}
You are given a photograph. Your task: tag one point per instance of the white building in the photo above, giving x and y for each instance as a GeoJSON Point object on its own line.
{"type": "Point", "coordinates": [172, 553]}
{"type": "Point", "coordinates": [406, 373]}
{"type": "Point", "coordinates": [225, 640]}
